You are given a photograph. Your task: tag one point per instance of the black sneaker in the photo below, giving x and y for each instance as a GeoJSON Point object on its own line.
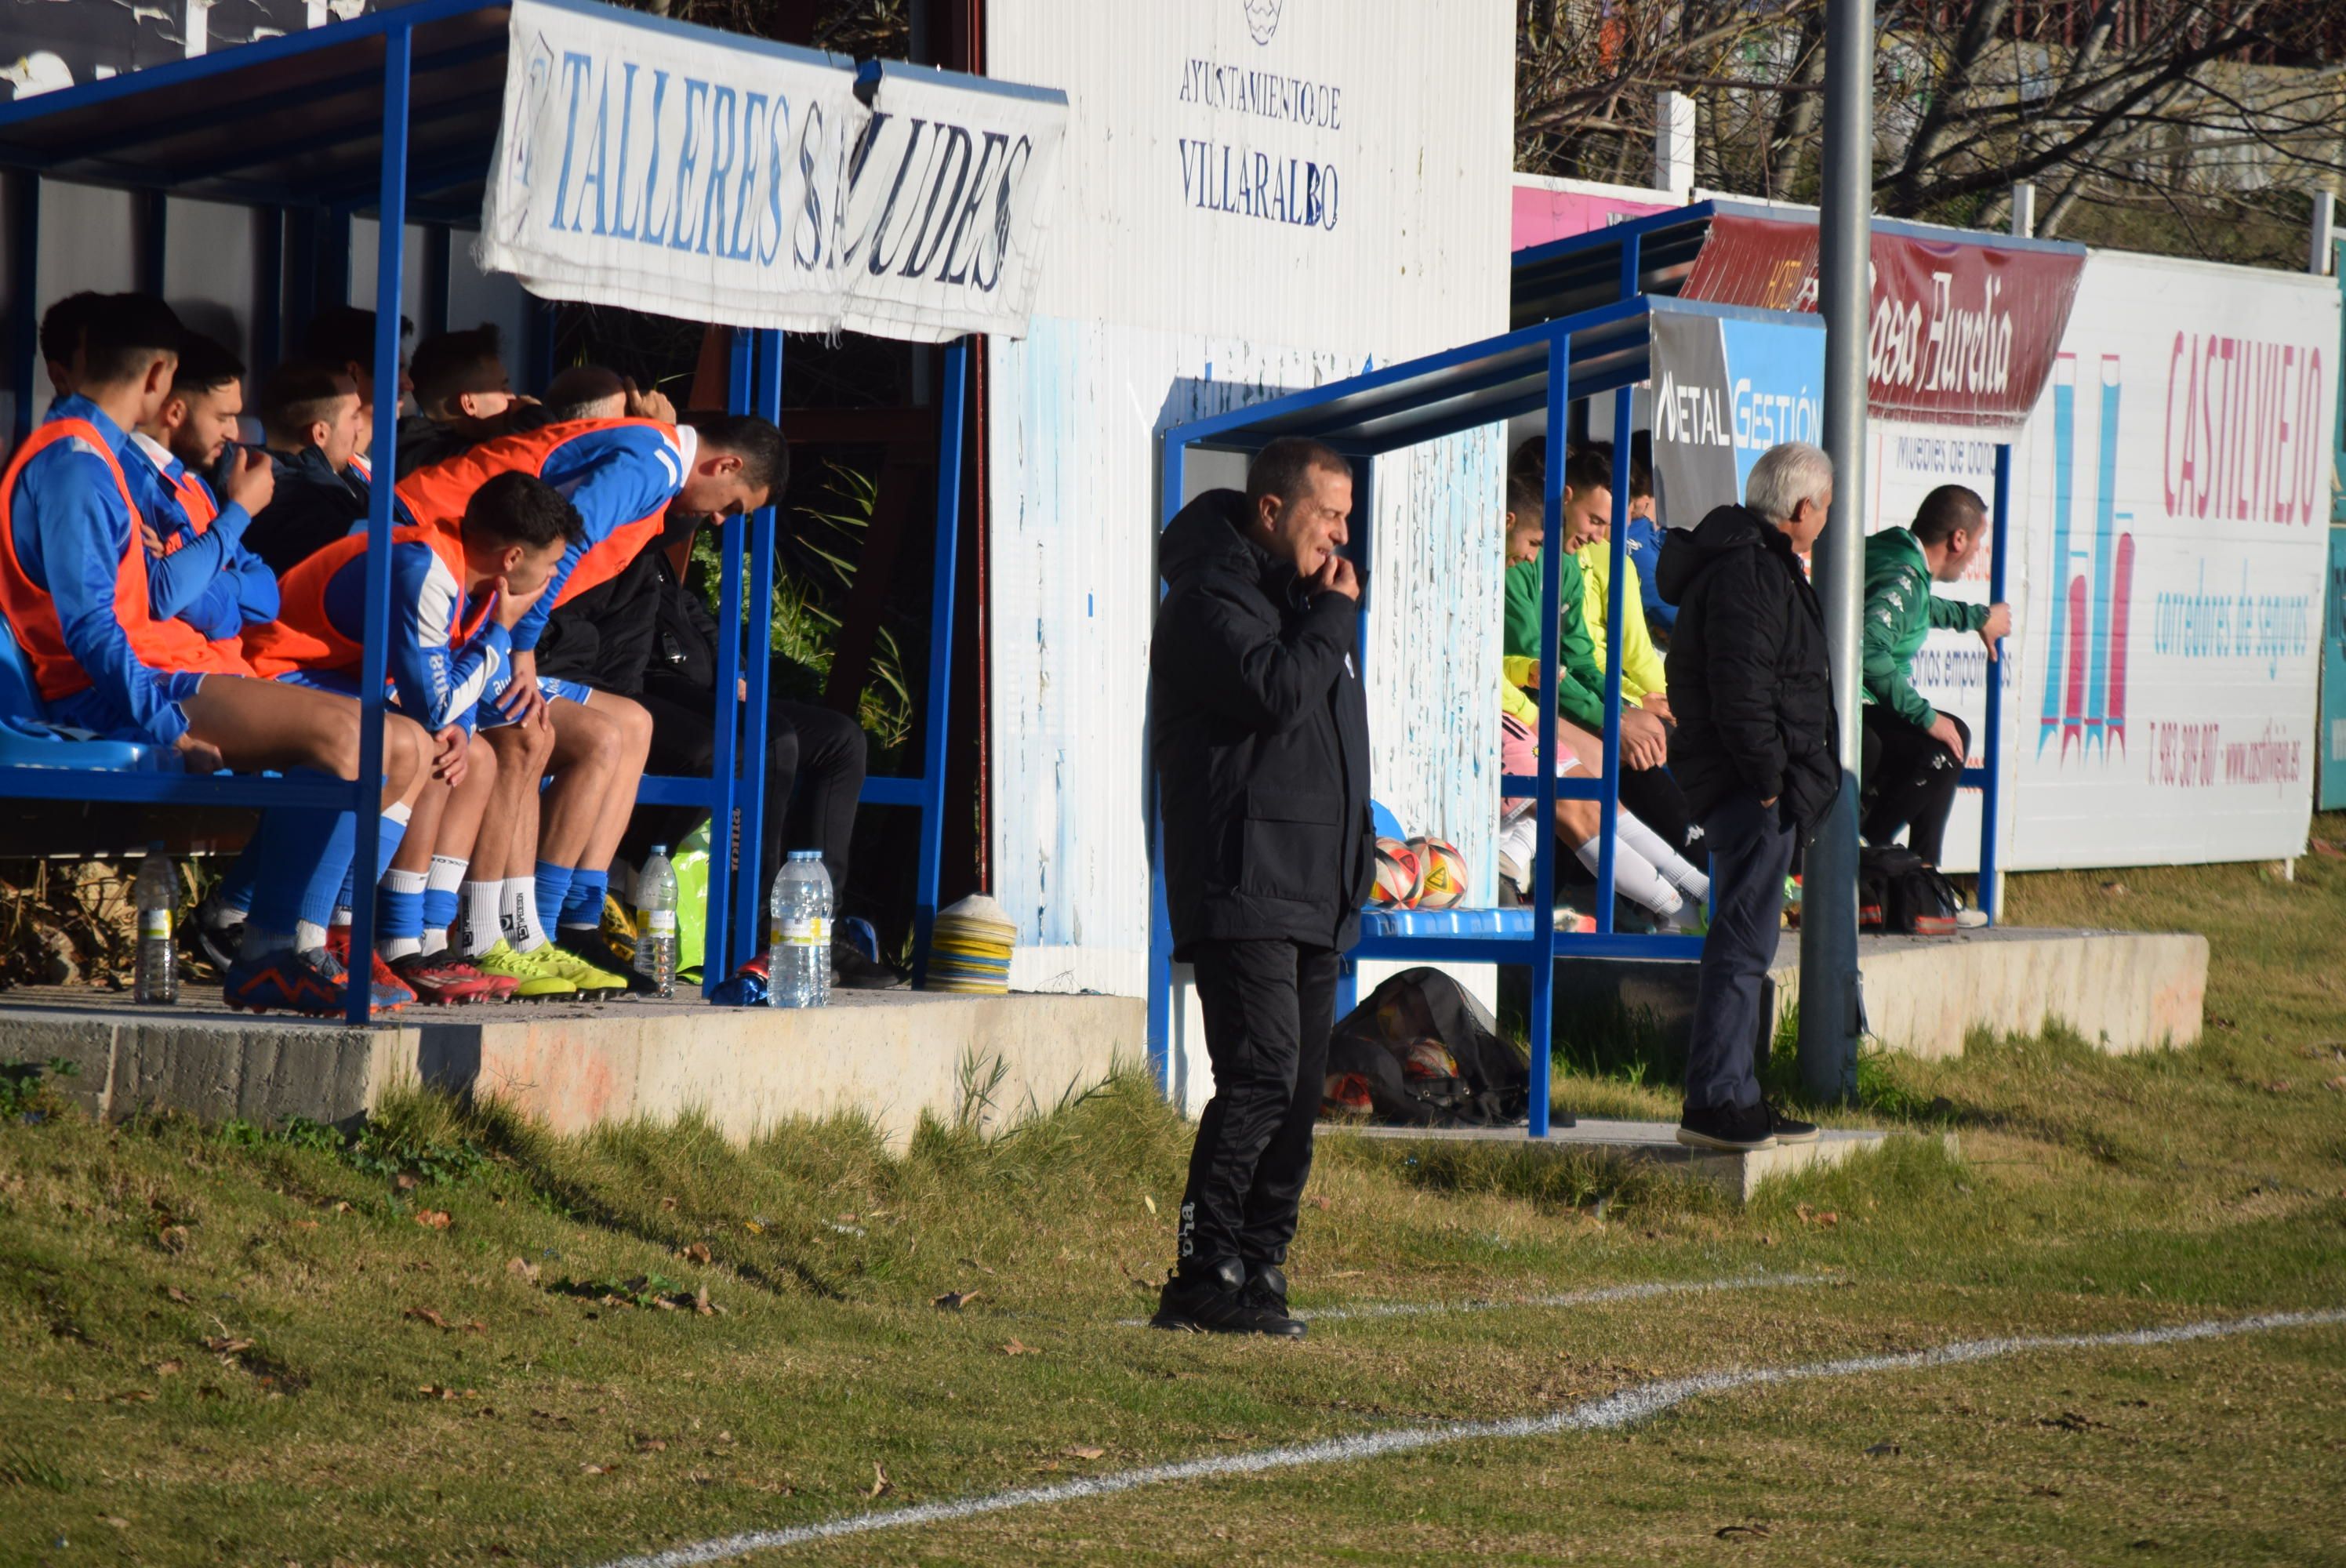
{"type": "Point", "coordinates": [1215, 1301]}
{"type": "Point", "coordinates": [1738, 1128]}
{"type": "Point", "coordinates": [1266, 1290]}
{"type": "Point", "coordinates": [1787, 1130]}
{"type": "Point", "coordinates": [850, 970]}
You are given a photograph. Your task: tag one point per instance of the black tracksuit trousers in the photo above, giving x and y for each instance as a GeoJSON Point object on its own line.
{"type": "Point", "coordinates": [1268, 1007]}
{"type": "Point", "coordinates": [1910, 781]}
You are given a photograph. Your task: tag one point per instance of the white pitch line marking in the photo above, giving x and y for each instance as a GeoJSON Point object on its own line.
{"type": "Point", "coordinates": [1591, 1297]}
{"type": "Point", "coordinates": [1618, 1409]}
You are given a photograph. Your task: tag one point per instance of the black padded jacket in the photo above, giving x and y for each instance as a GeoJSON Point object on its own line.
{"type": "Point", "coordinates": [1749, 681]}
{"type": "Point", "coordinates": [1259, 733]}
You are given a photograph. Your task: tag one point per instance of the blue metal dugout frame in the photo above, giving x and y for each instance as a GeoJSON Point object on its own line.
{"type": "Point", "coordinates": [1654, 256]}
{"type": "Point", "coordinates": [329, 125]}
{"type": "Point", "coordinates": [1549, 367]}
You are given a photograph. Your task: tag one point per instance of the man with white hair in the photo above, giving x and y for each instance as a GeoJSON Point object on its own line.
{"type": "Point", "coordinates": [1757, 753]}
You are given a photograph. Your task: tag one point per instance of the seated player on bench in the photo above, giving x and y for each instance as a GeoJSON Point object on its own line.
{"type": "Point", "coordinates": [463, 394]}
{"type": "Point", "coordinates": [622, 475]}
{"type": "Point", "coordinates": [197, 568]}
{"type": "Point", "coordinates": [73, 584]}
{"type": "Point", "coordinates": [456, 594]}
{"type": "Point", "coordinates": [310, 418]}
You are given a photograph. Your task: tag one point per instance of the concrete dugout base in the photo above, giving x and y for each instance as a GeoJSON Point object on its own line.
{"type": "Point", "coordinates": [892, 1056]}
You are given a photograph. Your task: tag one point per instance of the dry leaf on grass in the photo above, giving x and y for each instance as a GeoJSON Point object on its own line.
{"type": "Point", "coordinates": [1016, 1349]}
{"type": "Point", "coordinates": [225, 1345]}
{"type": "Point", "coordinates": [1319, 1201]}
{"type": "Point", "coordinates": [1149, 1201]}
{"type": "Point", "coordinates": [172, 1238]}
{"type": "Point", "coordinates": [132, 1397]}
{"type": "Point", "coordinates": [696, 1253]}
{"type": "Point", "coordinates": [651, 1445]}
{"type": "Point", "coordinates": [426, 1314]}
{"type": "Point", "coordinates": [305, 1224]}
{"type": "Point", "coordinates": [1884, 1451]}
{"type": "Point", "coordinates": [405, 1181]}
{"type": "Point", "coordinates": [167, 1369]}
{"type": "Point", "coordinates": [1741, 1532]}
{"type": "Point", "coordinates": [1086, 1452]}
{"type": "Point", "coordinates": [433, 1218]}
{"type": "Point", "coordinates": [667, 1203]}
{"type": "Point", "coordinates": [522, 1268]}
{"type": "Point", "coordinates": [174, 1293]}
{"type": "Point", "coordinates": [880, 1485]}
{"type": "Point", "coordinates": [437, 1392]}
{"type": "Point", "coordinates": [954, 1300]}
{"type": "Point", "coordinates": [597, 1469]}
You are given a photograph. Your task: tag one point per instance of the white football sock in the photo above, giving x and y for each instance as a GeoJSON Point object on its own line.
{"type": "Point", "coordinates": [1681, 871]}
{"type": "Point", "coordinates": [517, 913]}
{"type": "Point", "coordinates": [308, 936]}
{"type": "Point", "coordinates": [1634, 878]}
{"type": "Point", "coordinates": [477, 925]}
{"type": "Point", "coordinates": [1519, 841]}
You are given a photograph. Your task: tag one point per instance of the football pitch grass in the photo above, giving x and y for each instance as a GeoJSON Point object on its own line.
{"type": "Point", "coordinates": [462, 1340]}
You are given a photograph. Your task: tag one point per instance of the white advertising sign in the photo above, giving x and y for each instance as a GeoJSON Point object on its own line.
{"type": "Point", "coordinates": [746, 184]}
{"type": "Point", "coordinates": [2171, 493]}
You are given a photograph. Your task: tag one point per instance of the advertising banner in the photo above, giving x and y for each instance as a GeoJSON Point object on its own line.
{"type": "Point", "coordinates": [1962, 330]}
{"type": "Point", "coordinates": [1726, 390]}
{"type": "Point", "coordinates": [2177, 493]}
{"type": "Point", "coordinates": [2333, 680]}
{"type": "Point", "coordinates": [746, 184]}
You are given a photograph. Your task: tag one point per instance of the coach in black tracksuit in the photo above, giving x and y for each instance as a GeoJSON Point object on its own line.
{"type": "Point", "coordinates": [1757, 754]}
{"type": "Point", "coordinates": [1261, 738]}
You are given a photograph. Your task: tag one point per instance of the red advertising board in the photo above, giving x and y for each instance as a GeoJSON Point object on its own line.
{"type": "Point", "coordinates": [1961, 333]}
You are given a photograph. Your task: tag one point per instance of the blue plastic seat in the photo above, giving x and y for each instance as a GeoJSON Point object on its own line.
{"type": "Point", "coordinates": [1512, 922]}
{"type": "Point", "coordinates": [28, 740]}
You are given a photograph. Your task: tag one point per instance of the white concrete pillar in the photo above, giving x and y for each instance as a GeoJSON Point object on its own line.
{"type": "Point", "coordinates": [2325, 233]}
{"type": "Point", "coordinates": [1674, 143]}
{"type": "Point", "coordinates": [2023, 209]}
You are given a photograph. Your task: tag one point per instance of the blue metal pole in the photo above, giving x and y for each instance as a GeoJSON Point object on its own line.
{"type": "Point", "coordinates": [1161, 918]}
{"type": "Point", "coordinates": [1364, 534]}
{"type": "Point", "coordinates": [766, 397]}
{"type": "Point", "coordinates": [25, 326]}
{"type": "Point", "coordinates": [941, 625]}
{"type": "Point", "coordinates": [724, 833]}
{"type": "Point", "coordinates": [1991, 753]}
{"type": "Point", "coordinates": [1608, 801]}
{"type": "Point", "coordinates": [1543, 944]}
{"type": "Point", "coordinates": [399, 44]}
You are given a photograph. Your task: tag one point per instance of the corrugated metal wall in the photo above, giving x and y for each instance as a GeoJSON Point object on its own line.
{"type": "Point", "coordinates": [1160, 304]}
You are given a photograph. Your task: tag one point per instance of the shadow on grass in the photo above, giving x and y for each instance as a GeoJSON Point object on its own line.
{"type": "Point", "coordinates": [1551, 1178]}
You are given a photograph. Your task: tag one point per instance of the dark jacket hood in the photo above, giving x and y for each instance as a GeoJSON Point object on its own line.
{"type": "Point", "coordinates": [1205, 535]}
{"type": "Point", "coordinates": [1687, 552]}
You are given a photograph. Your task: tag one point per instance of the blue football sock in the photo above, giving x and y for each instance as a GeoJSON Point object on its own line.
{"type": "Point", "coordinates": [392, 833]}
{"type": "Point", "coordinates": [234, 890]}
{"type": "Point", "coordinates": [439, 908]}
{"type": "Point", "coordinates": [325, 884]}
{"type": "Point", "coordinates": [552, 886]}
{"type": "Point", "coordinates": [400, 906]}
{"type": "Point", "coordinates": [584, 904]}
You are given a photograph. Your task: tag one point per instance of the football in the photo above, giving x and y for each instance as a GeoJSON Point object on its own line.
{"type": "Point", "coordinates": [1397, 875]}
{"type": "Point", "coordinates": [1441, 876]}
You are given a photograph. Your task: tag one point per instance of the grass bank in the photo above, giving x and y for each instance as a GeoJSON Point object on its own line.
{"type": "Point", "coordinates": [459, 1339]}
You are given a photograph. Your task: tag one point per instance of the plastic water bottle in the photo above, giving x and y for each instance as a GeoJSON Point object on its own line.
{"type": "Point", "coordinates": [157, 896]}
{"type": "Point", "coordinates": [799, 965]}
{"type": "Point", "coordinates": [656, 922]}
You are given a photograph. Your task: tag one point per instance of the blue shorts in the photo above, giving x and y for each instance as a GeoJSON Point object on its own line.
{"type": "Point", "coordinates": [341, 683]}
{"type": "Point", "coordinates": [552, 687]}
{"type": "Point", "coordinates": [93, 710]}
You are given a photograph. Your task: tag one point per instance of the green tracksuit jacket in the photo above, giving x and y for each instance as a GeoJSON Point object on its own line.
{"type": "Point", "coordinates": [1579, 684]}
{"type": "Point", "coordinates": [1900, 611]}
